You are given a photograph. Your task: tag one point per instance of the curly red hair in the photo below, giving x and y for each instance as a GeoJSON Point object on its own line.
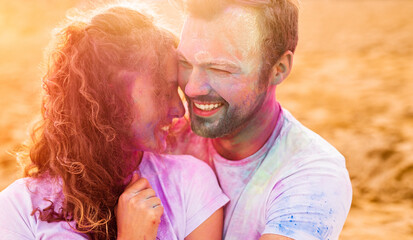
{"type": "Point", "coordinates": [84, 138]}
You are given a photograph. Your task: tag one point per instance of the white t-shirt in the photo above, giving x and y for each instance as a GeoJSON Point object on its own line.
{"type": "Point", "coordinates": [296, 185]}
{"type": "Point", "coordinates": [187, 188]}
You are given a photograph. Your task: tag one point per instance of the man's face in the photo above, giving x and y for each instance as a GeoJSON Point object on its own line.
{"type": "Point", "coordinates": [157, 102]}
{"type": "Point", "coordinates": [219, 71]}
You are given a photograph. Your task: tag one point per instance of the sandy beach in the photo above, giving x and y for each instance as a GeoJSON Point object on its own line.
{"type": "Point", "coordinates": [352, 83]}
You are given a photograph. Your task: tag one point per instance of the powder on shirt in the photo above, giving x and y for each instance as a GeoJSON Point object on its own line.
{"type": "Point", "coordinates": [306, 195]}
{"type": "Point", "coordinates": [234, 175]}
{"type": "Point", "coordinates": [186, 186]}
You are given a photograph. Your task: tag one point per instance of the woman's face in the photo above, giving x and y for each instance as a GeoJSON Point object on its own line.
{"type": "Point", "coordinates": [157, 102]}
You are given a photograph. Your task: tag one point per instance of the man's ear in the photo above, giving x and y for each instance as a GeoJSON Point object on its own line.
{"type": "Point", "coordinates": [281, 68]}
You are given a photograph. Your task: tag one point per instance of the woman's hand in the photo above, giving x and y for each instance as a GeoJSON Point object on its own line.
{"type": "Point", "coordinates": [139, 211]}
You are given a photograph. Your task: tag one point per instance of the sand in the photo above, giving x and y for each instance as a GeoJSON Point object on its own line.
{"type": "Point", "coordinates": [352, 82]}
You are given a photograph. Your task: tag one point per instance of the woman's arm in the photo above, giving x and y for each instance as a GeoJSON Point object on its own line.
{"type": "Point", "coordinates": [211, 229]}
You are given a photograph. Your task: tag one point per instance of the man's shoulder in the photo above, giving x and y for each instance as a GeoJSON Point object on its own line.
{"type": "Point", "coordinates": [302, 141]}
{"type": "Point", "coordinates": [306, 173]}
{"type": "Point", "coordinates": [302, 156]}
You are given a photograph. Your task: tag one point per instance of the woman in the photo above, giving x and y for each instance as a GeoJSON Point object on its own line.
{"type": "Point", "coordinates": [110, 95]}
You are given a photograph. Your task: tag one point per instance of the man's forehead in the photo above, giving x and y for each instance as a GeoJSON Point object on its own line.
{"type": "Point", "coordinates": [232, 18]}
{"type": "Point", "coordinates": [203, 56]}
{"type": "Point", "coordinates": [234, 29]}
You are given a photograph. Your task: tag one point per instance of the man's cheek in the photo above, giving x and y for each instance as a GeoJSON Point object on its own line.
{"type": "Point", "coordinates": [231, 89]}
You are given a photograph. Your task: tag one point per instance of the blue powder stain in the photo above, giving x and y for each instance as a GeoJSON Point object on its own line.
{"type": "Point", "coordinates": [285, 230]}
{"type": "Point", "coordinates": [320, 231]}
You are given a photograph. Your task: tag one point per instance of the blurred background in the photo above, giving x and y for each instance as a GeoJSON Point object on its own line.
{"type": "Point", "coordinates": [352, 83]}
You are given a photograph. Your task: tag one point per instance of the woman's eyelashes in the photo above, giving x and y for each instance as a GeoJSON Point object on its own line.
{"type": "Point", "coordinates": [184, 64]}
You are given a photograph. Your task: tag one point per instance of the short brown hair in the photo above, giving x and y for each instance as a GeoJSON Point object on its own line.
{"type": "Point", "coordinates": [278, 22]}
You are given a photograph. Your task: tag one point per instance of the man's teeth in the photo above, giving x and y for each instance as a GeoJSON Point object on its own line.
{"type": "Point", "coordinates": [207, 107]}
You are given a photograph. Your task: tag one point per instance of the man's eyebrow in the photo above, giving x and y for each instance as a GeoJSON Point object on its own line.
{"type": "Point", "coordinates": [221, 63]}
{"type": "Point", "coordinates": [214, 62]}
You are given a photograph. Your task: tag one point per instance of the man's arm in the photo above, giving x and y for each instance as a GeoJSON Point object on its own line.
{"type": "Point", "coordinates": [274, 237]}
{"type": "Point", "coordinates": [211, 229]}
{"type": "Point", "coordinates": [312, 203]}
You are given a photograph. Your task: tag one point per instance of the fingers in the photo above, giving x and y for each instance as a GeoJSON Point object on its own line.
{"type": "Point", "coordinates": [135, 177]}
{"type": "Point", "coordinates": [146, 193]}
{"type": "Point", "coordinates": [155, 205]}
{"type": "Point", "coordinates": [140, 194]}
{"type": "Point", "coordinates": [146, 199]}
{"type": "Point", "coordinates": [153, 202]}
{"type": "Point", "coordinates": [151, 207]}
{"type": "Point", "coordinates": [139, 210]}
{"type": "Point", "coordinates": [137, 185]}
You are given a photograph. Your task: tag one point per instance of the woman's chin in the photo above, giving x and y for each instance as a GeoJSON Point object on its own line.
{"type": "Point", "coordinates": [158, 145]}
{"type": "Point", "coordinates": [162, 141]}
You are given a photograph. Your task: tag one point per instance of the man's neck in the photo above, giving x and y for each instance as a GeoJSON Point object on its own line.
{"type": "Point", "coordinates": [252, 136]}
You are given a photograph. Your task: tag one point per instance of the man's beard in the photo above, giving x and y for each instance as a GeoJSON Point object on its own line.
{"type": "Point", "coordinates": [224, 125]}
{"type": "Point", "coordinates": [232, 119]}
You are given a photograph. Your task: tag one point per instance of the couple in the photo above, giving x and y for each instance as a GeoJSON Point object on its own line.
{"type": "Point", "coordinates": [111, 94]}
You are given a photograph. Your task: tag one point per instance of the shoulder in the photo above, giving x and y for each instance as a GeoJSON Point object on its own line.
{"type": "Point", "coordinates": [302, 143]}
{"type": "Point", "coordinates": [16, 195]}
{"type": "Point", "coordinates": [188, 185]}
{"type": "Point", "coordinates": [26, 194]}
{"type": "Point", "coordinates": [15, 210]}
{"type": "Point", "coordinates": [186, 165]}
{"type": "Point", "coordinates": [311, 194]}
{"type": "Point", "coordinates": [184, 173]}
{"type": "Point", "coordinates": [18, 220]}
{"type": "Point", "coordinates": [17, 187]}
{"type": "Point", "coordinates": [310, 158]}
{"type": "Point", "coordinates": [307, 160]}
{"type": "Point", "coordinates": [181, 162]}
{"type": "Point", "coordinates": [198, 187]}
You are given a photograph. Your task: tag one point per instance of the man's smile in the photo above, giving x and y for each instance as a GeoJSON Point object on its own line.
{"type": "Point", "coordinates": [206, 109]}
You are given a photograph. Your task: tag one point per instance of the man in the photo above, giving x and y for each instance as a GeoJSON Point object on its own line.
{"type": "Point", "coordinates": [284, 181]}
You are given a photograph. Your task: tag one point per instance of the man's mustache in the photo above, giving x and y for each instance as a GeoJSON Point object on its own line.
{"type": "Point", "coordinates": [206, 98]}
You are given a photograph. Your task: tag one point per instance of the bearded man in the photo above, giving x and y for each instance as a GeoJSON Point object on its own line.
{"type": "Point", "coordinates": [283, 180]}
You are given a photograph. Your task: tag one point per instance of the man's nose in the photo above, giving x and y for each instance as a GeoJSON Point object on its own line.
{"type": "Point", "coordinates": [198, 84]}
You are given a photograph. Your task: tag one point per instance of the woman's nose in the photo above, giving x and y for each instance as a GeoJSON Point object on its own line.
{"type": "Point", "coordinates": [177, 109]}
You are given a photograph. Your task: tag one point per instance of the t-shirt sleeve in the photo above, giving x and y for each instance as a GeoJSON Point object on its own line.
{"type": "Point", "coordinates": [311, 203]}
{"type": "Point", "coordinates": [203, 196]}
{"type": "Point", "coordinates": [17, 221]}
{"type": "Point", "coordinates": [6, 234]}
{"type": "Point", "coordinates": [15, 207]}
